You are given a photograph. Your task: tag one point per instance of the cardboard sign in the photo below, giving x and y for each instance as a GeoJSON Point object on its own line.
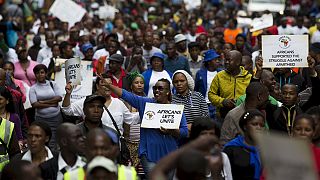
{"type": "Point", "coordinates": [67, 11]}
{"type": "Point", "coordinates": [285, 51]}
{"type": "Point", "coordinates": [162, 115]}
{"type": "Point", "coordinates": [286, 158]}
{"type": "Point", "coordinates": [86, 74]}
{"type": "Point", "coordinates": [264, 21]}
{"type": "Point", "coordinates": [72, 70]}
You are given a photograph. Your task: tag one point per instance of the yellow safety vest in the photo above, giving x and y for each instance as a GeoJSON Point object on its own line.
{"type": "Point", "coordinates": [124, 173]}
{"type": "Point", "coordinates": [77, 174]}
{"type": "Point", "coordinates": [6, 129]}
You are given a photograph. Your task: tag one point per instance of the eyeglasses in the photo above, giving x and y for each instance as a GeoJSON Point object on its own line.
{"type": "Point", "coordinates": [160, 88]}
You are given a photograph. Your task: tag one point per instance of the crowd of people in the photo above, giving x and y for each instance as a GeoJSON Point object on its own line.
{"type": "Point", "coordinates": [159, 52]}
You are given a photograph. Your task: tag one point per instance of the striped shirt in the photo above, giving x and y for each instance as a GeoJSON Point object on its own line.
{"type": "Point", "coordinates": [194, 105]}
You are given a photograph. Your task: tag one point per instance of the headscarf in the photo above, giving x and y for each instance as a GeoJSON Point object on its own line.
{"type": "Point", "coordinates": [188, 77]}
{"type": "Point", "coordinates": [133, 76]}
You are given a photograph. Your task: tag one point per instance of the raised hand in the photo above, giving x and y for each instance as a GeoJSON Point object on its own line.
{"type": "Point", "coordinates": [69, 88]}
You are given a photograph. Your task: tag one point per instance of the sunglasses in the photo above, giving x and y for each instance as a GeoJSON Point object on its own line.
{"type": "Point", "coordinates": [160, 88]}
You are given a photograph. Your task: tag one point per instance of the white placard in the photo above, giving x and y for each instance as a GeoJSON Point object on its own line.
{"type": "Point", "coordinates": [162, 115]}
{"type": "Point", "coordinates": [285, 51]}
{"type": "Point", "coordinates": [79, 91]}
{"type": "Point", "coordinates": [192, 4]}
{"type": "Point", "coordinates": [107, 12]}
{"type": "Point", "coordinates": [264, 21]}
{"type": "Point", "coordinates": [286, 158]}
{"type": "Point", "coordinates": [67, 11]}
{"type": "Point", "coordinates": [73, 71]}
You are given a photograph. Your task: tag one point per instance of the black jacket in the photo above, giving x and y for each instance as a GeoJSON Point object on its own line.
{"type": "Point", "coordinates": [49, 169]}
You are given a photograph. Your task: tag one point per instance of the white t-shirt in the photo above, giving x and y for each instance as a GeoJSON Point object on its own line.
{"type": "Point", "coordinates": [12, 56]}
{"type": "Point", "coordinates": [210, 76]}
{"type": "Point", "coordinates": [43, 54]}
{"type": "Point", "coordinates": [191, 38]}
{"type": "Point", "coordinates": [155, 76]}
{"type": "Point", "coordinates": [99, 53]}
{"type": "Point", "coordinates": [117, 109]}
{"type": "Point", "coordinates": [285, 31]}
{"type": "Point", "coordinates": [300, 31]}
{"type": "Point", "coordinates": [315, 37]}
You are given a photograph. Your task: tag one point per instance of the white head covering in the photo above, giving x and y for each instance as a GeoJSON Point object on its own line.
{"type": "Point", "coordinates": [188, 77]}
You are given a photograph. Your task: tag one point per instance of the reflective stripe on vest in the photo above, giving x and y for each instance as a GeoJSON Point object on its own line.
{"type": "Point", "coordinates": [126, 173]}
{"type": "Point", "coordinates": [77, 174]}
{"type": "Point", "coordinates": [6, 129]}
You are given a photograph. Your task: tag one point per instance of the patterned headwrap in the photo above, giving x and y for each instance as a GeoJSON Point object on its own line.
{"type": "Point", "coordinates": [133, 75]}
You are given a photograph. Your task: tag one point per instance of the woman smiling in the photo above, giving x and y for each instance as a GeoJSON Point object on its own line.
{"type": "Point", "coordinates": [154, 143]}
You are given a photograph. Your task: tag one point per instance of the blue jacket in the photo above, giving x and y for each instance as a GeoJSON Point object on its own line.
{"type": "Point", "coordinates": [201, 81]}
{"type": "Point", "coordinates": [147, 76]}
{"type": "Point", "coordinates": [153, 144]}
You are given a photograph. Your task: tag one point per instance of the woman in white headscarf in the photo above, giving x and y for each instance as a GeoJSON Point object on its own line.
{"type": "Point", "coordinates": [194, 103]}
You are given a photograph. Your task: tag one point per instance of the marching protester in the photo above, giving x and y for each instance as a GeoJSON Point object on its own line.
{"type": "Point", "coordinates": [205, 76]}
{"type": "Point", "coordinates": [163, 140]}
{"type": "Point", "coordinates": [70, 141]}
{"type": "Point", "coordinates": [194, 104]}
{"type": "Point", "coordinates": [156, 72]}
{"type": "Point", "coordinates": [242, 151]}
{"type": "Point", "coordinates": [23, 69]}
{"type": "Point", "coordinates": [229, 84]}
{"type": "Point", "coordinates": [38, 137]}
{"type": "Point", "coordinates": [44, 97]}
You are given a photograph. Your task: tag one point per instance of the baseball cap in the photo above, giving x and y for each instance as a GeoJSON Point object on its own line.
{"type": "Point", "coordinates": [93, 97]}
{"type": "Point", "coordinates": [103, 162]}
{"type": "Point", "coordinates": [179, 37]}
{"type": "Point", "coordinates": [85, 47]}
{"type": "Point", "coordinates": [116, 57]}
{"type": "Point", "coordinates": [210, 55]}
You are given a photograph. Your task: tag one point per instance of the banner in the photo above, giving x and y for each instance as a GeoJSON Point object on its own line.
{"type": "Point", "coordinates": [86, 74]}
{"type": "Point", "coordinates": [72, 70]}
{"type": "Point", "coordinates": [285, 51]}
{"type": "Point", "coordinates": [67, 11]}
{"type": "Point", "coordinates": [167, 116]}
{"type": "Point", "coordinates": [264, 21]}
{"type": "Point", "coordinates": [285, 157]}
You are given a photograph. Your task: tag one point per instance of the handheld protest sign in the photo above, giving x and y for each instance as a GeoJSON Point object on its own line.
{"type": "Point", "coordinates": [286, 158]}
{"type": "Point", "coordinates": [167, 116]}
{"type": "Point", "coordinates": [285, 51]}
{"type": "Point", "coordinates": [86, 73]}
{"type": "Point", "coordinates": [73, 71]}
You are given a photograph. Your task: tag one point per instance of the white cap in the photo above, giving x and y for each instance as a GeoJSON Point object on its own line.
{"type": "Point", "coordinates": [100, 161]}
{"type": "Point", "coordinates": [179, 38]}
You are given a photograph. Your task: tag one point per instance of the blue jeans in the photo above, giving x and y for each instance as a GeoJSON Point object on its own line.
{"type": "Point", "coordinates": [148, 166]}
